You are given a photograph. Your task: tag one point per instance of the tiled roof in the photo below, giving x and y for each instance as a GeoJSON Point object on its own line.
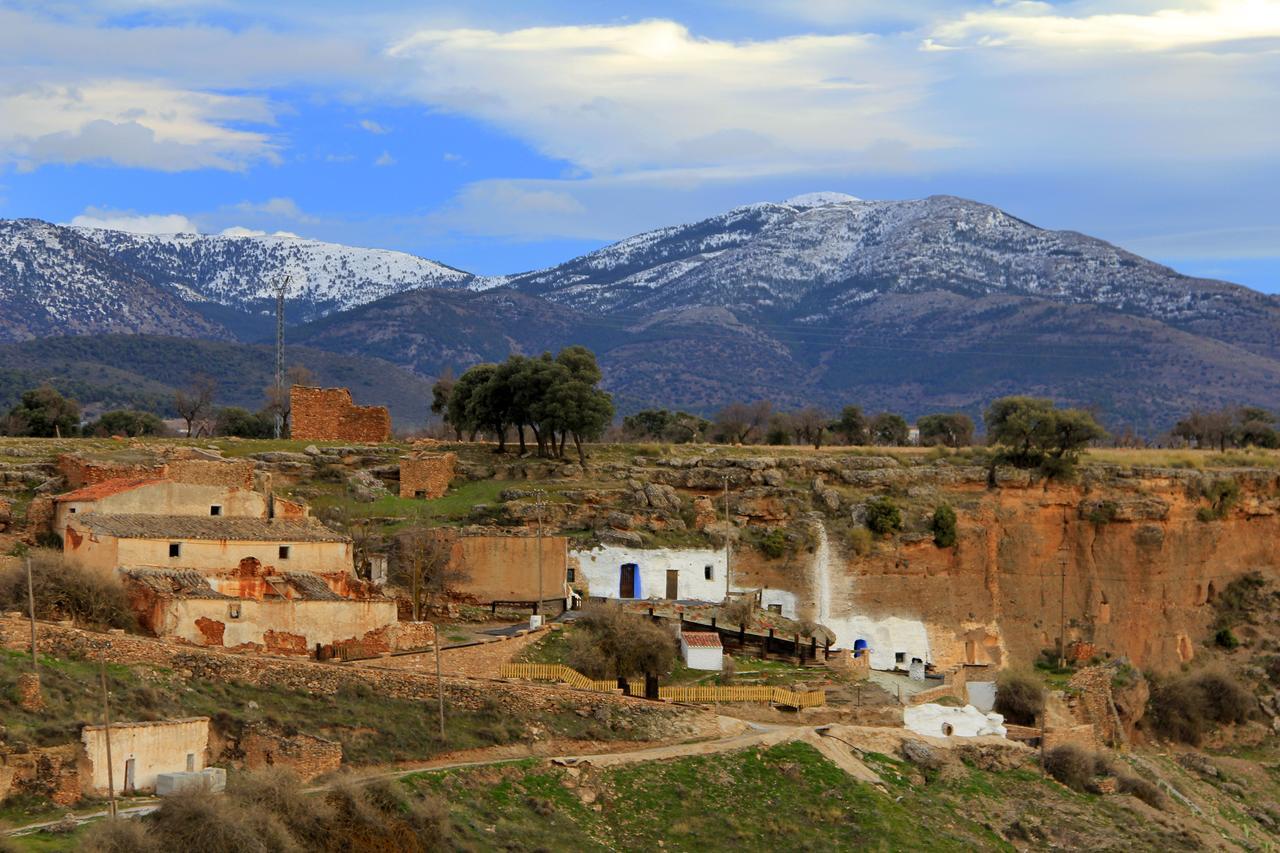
{"type": "Point", "coordinates": [311, 587]}
{"type": "Point", "coordinates": [701, 639]}
{"type": "Point", "coordinates": [107, 488]}
{"type": "Point", "coordinates": [209, 528]}
{"type": "Point", "coordinates": [174, 583]}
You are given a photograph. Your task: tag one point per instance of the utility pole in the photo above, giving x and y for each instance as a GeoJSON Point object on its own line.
{"type": "Point", "coordinates": [435, 628]}
{"type": "Point", "coordinates": [106, 732]}
{"type": "Point", "coordinates": [728, 543]}
{"type": "Point", "coordinates": [31, 603]}
{"type": "Point", "coordinates": [280, 291]}
{"type": "Point", "coordinates": [540, 503]}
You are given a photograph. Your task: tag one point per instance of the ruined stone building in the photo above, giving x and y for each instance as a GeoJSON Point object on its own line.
{"type": "Point", "coordinates": [329, 414]}
{"type": "Point", "coordinates": [426, 475]}
{"type": "Point", "coordinates": [142, 751]}
{"type": "Point", "coordinates": [488, 568]}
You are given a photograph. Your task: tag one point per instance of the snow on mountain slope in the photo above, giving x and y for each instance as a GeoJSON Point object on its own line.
{"type": "Point", "coordinates": [822, 252]}
{"type": "Point", "coordinates": [243, 271]}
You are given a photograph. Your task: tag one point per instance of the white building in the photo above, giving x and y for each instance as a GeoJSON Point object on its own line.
{"type": "Point", "coordinates": [691, 574]}
{"type": "Point", "coordinates": [702, 650]}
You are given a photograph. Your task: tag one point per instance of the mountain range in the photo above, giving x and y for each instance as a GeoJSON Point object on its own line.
{"type": "Point", "coordinates": [915, 306]}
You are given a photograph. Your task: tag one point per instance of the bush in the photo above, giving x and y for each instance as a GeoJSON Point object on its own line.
{"type": "Point", "coordinates": [127, 422]}
{"type": "Point", "coordinates": [944, 526]}
{"type": "Point", "coordinates": [883, 516]}
{"type": "Point", "coordinates": [1187, 707]}
{"type": "Point", "coordinates": [1142, 789]}
{"type": "Point", "coordinates": [1226, 639]}
{"type": "Point", "coordinates": [1019, 697]}
{"type": "Point", "coordinates": [1073, 766]}
{"type": "Point", "coordinates": [66, 592]}
{"type": "Point", "coordinates": [860, 541]}
{"type": "Point", "coordinates": [115, 836]}
{"type": "Point", "coordinates": [774, 544]}
{"type": "Point", "coordinates": [609, 642]}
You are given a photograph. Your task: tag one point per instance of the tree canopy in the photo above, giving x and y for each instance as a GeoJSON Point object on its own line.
{"type": "Point", "coordinates": [950, 430]}
{"type": "Point", "coordinates": [126, 422]}
{"type": "Point", "coordinates": [1033, 431]}
{"type": "Point", "coordinates": [889, 429]}
{"type": "Point", "coordinates": [43, 413]}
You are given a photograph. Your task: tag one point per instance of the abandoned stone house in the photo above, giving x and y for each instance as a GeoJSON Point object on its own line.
{"type": "Point", "coordinates": [142, 751]}
{"type": "Point", "coordinates": [426, 475]}
{"type": "Point", "coordinates": [162, 496]}
{"type": "Point", "coordinates": [329, 414]}
{"type": "Point", "coordinates": [257, 606]}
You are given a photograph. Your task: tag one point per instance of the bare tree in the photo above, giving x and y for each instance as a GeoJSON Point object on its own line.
{"type": "Point", "coordinates": [424, 563]}
{"type": "Point", "coordinates": [810, 425]}
{"type": "Point", "coordinates": [737, 421]}
{"type": "Point", "coordinates": [196, 400]}
{"type": "Point", "coordinates": [278, 399]}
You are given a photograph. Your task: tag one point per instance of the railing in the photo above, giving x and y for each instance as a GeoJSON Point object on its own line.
{"type": "Point", "coordinates": [677, 693]}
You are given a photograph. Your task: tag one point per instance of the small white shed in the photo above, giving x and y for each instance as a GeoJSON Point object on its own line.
{"type": "Point", "coordinates": [702, 650]}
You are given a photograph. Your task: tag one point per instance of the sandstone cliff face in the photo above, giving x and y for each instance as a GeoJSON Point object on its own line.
{"type": "Point", "coordinates": [1136, 561]}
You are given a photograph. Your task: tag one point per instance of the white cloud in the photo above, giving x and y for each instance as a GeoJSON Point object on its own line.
{"type": "Point", "coordinates": [385, 159]}
{"type": "Point", "coordinates": [130, 123]}
{"type": "Point", "coordinates": [239, 231]}
{"type": "Point", "coordinates": [1038, 24]}
{"type": "Point", "coordinates": [147, 223]}
{"type": "Point", "coordinates": [652, 95]}
{"type": "Point", "coordinates": [373, 127]}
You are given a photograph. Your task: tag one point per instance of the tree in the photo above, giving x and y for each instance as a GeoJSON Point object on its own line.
{"type": "Point", "coordinates": [950, 430]}
{"type": "Point", "coordinates": [883, 515]}
{"type": "Point", "coordinates": [195, 401]}
{"type": "Point", "coordinates": [778, 431]}
{"type": "Point", "coordinates": [1033, 431]}
{"type": "Point", "coordinates": [423, 564]}
{"type": "Point", "coordinates": [737, 421]}
{"type": "Point", "coordinates": [279, 400]}
{"type": "Point", "coordinates": [580, 410]}
{"type": "Point", "coordinates": [440, 393]}
{"type": "Point", "coordinates": [467, 402]}
{"type": "Point", "coordinates": [890, 429]}
{"type": "Point", "coordinates": [851, 425]}
{"type": "Point", "coordinates": [648, 423]}
{"type": "Point", "coordinates": [943, 526]}
{"type": "Point", "coordinates": [126, 422]}
{"type": "Point", "coordinates": [44, 413]}
{"type": "Point", "coordinates": [1257, 427]}
{"type": "Point", "coordinates": [686, 428]}
{"type": "Point", "coordinates": [242, 423]}
{"type": "Point", "coordinates": [609, 642]}
{"type": "Point", "coordinates": [810, 425]}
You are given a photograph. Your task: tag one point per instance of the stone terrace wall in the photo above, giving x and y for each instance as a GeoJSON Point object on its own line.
{"type": "Point", "coordinates": [328, 414]}
{"type": "Point", "coordinates": [79, 471]}
{"type": "Point", "coordinates": [230, 473]}
{"type": "Point", "coordinates": [429, 473]}
{"type": "Point", "coordinates": [306, 755]}
{"type": "Point", "coordinates": [326, 679]}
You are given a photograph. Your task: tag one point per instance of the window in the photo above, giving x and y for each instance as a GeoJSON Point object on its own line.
{"type": "Point", "coordinates": [420, 493]}
{"type": "Point", "coordinates": [233, 611]}
{"type": "Point", "coordinates": [191, 762]}
{"type": "Point", "coordinates": [72, 510]}
{"type": "Point", "coordinates": [215, 510]}
{"type": "Point", "coordinates": [571, 574]}
{"type": "Point", "coordinates": [775, 608]}
{"type": "Point", "coordinates": [708, 572]}
{"type": "Point", "coordinates": [175, 549]}
{"type": "Point", "coordinates": [899, 657]}
{"type": "Point", "coordinates": [284, 552]}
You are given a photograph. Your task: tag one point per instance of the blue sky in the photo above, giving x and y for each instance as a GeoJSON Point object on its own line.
{"type": "Point", "coordinates": [503, 136]}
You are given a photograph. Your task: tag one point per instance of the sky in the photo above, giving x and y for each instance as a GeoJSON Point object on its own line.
{"type": "Point", "coordinates": [504, 135]}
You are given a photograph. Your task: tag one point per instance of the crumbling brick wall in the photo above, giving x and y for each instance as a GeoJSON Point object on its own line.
{"type": "Point", "coordinates": [426, 475]}
{"type": "Point", "coordinates": [328, 414]}
{"type": "Point", "coordinates": [51, 772]}
{"type": "Point", "coordinates": [229, 473]}
{"type": "Point", "coordinates": [306, 755]}
{"type": "Point", "coordinates": [79, 471]}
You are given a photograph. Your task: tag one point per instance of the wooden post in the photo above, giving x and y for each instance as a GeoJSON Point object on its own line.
{"type": "Point", "coordinates": [106, 731]}
{"type": "Point", "coordinates": [435, 630]}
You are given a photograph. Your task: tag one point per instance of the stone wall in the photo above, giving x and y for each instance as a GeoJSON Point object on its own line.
{"type": "Point", "coordinates": [306, 755]}
{"type": "Point", "coordinates": [320, 679]}
{"type": "Point", "coordinates": [50, 772]}
{"type": "Point", "coordinates": [328, 414]}
{"type": "Point", "coordinates": [228, 473]}
{"type": "Point", "coordinates": [79, 471]}
{"type": "Point", "coordinates": [426, 475]}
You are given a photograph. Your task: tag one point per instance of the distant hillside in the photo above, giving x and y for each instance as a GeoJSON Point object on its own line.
{"type": "Point", "coordinates": [142, 371]}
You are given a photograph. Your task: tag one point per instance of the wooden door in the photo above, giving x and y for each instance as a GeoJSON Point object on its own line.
{"type": "Point", "coordinates": [627, 581]}
{"type": "Point", "coordinates": [673, 584]}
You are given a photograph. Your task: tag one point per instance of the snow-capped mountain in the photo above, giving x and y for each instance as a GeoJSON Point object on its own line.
{"type": "Point", "coordinates": [814, 257]}
{"type": "Point", "coordinates": [67, 280]}
{"type": "Point", "coordinates": [243, 271]}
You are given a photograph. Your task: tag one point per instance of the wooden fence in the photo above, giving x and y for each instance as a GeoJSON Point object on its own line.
{"type": "Point", "coordinates": [676, 693]}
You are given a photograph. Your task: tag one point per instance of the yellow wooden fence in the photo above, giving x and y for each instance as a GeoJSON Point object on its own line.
{"type": "Point", "coordinates": [677, 693]}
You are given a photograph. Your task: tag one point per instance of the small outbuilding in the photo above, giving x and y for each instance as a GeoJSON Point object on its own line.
{"type": "Point", "coordinates": [702, 650]}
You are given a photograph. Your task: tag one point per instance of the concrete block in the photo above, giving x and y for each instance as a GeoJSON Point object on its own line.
{"type": "Point", "coordinates": [212, 780]}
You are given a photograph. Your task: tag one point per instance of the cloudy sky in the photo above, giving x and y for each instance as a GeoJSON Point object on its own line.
{"type": "Point", "coordinates": [502, 135]}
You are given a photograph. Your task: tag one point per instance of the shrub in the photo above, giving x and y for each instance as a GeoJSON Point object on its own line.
{"type": "Point", "coordinates": [1019, 697]}
{"type": "Point", "coordinates": [944, 526]}
{"type": "Point", "coordinates": [1073, 766]}
{"type": "Point", "coordinates": [1226, 639]}
{"type": "Point", "coordinates": [114, 836]}
{"type": "Point", "coordinates": [883, 516]}
{"type": "Point", "coordinates": [66, 592]}
{"type": "Point", "coordinates": [1103, 512]}
{"type": "Point", "coordinates": [609, 642]}
{"type": "Point", "coordinates": [774, 544]}
{"type": "Point", "coordinates": [1185, 708]}
{"type": "Point", "coordinates": [860, 541]}
{"type": "Point", "coordinates": [1142, 789]}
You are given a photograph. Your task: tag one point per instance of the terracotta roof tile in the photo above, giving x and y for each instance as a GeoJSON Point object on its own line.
{"type": "Point", "coordinates": [107, 488]}
{"type": "Point", "coordinates": [701, 639]}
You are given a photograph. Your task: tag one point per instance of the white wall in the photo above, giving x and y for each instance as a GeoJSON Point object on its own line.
{"type": "Point", "coordinates": [965, 722]}
{"type": "Point", "coordinates": [319, 621]}
{"type": "Point", "coordinates": [700, 657]}
{"type": "Point", "coordinates": [155, 747]}
{"type": "Point", "coordinates": [886, 636]}
{"type": "Point", "coordinates": [601, 569]}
